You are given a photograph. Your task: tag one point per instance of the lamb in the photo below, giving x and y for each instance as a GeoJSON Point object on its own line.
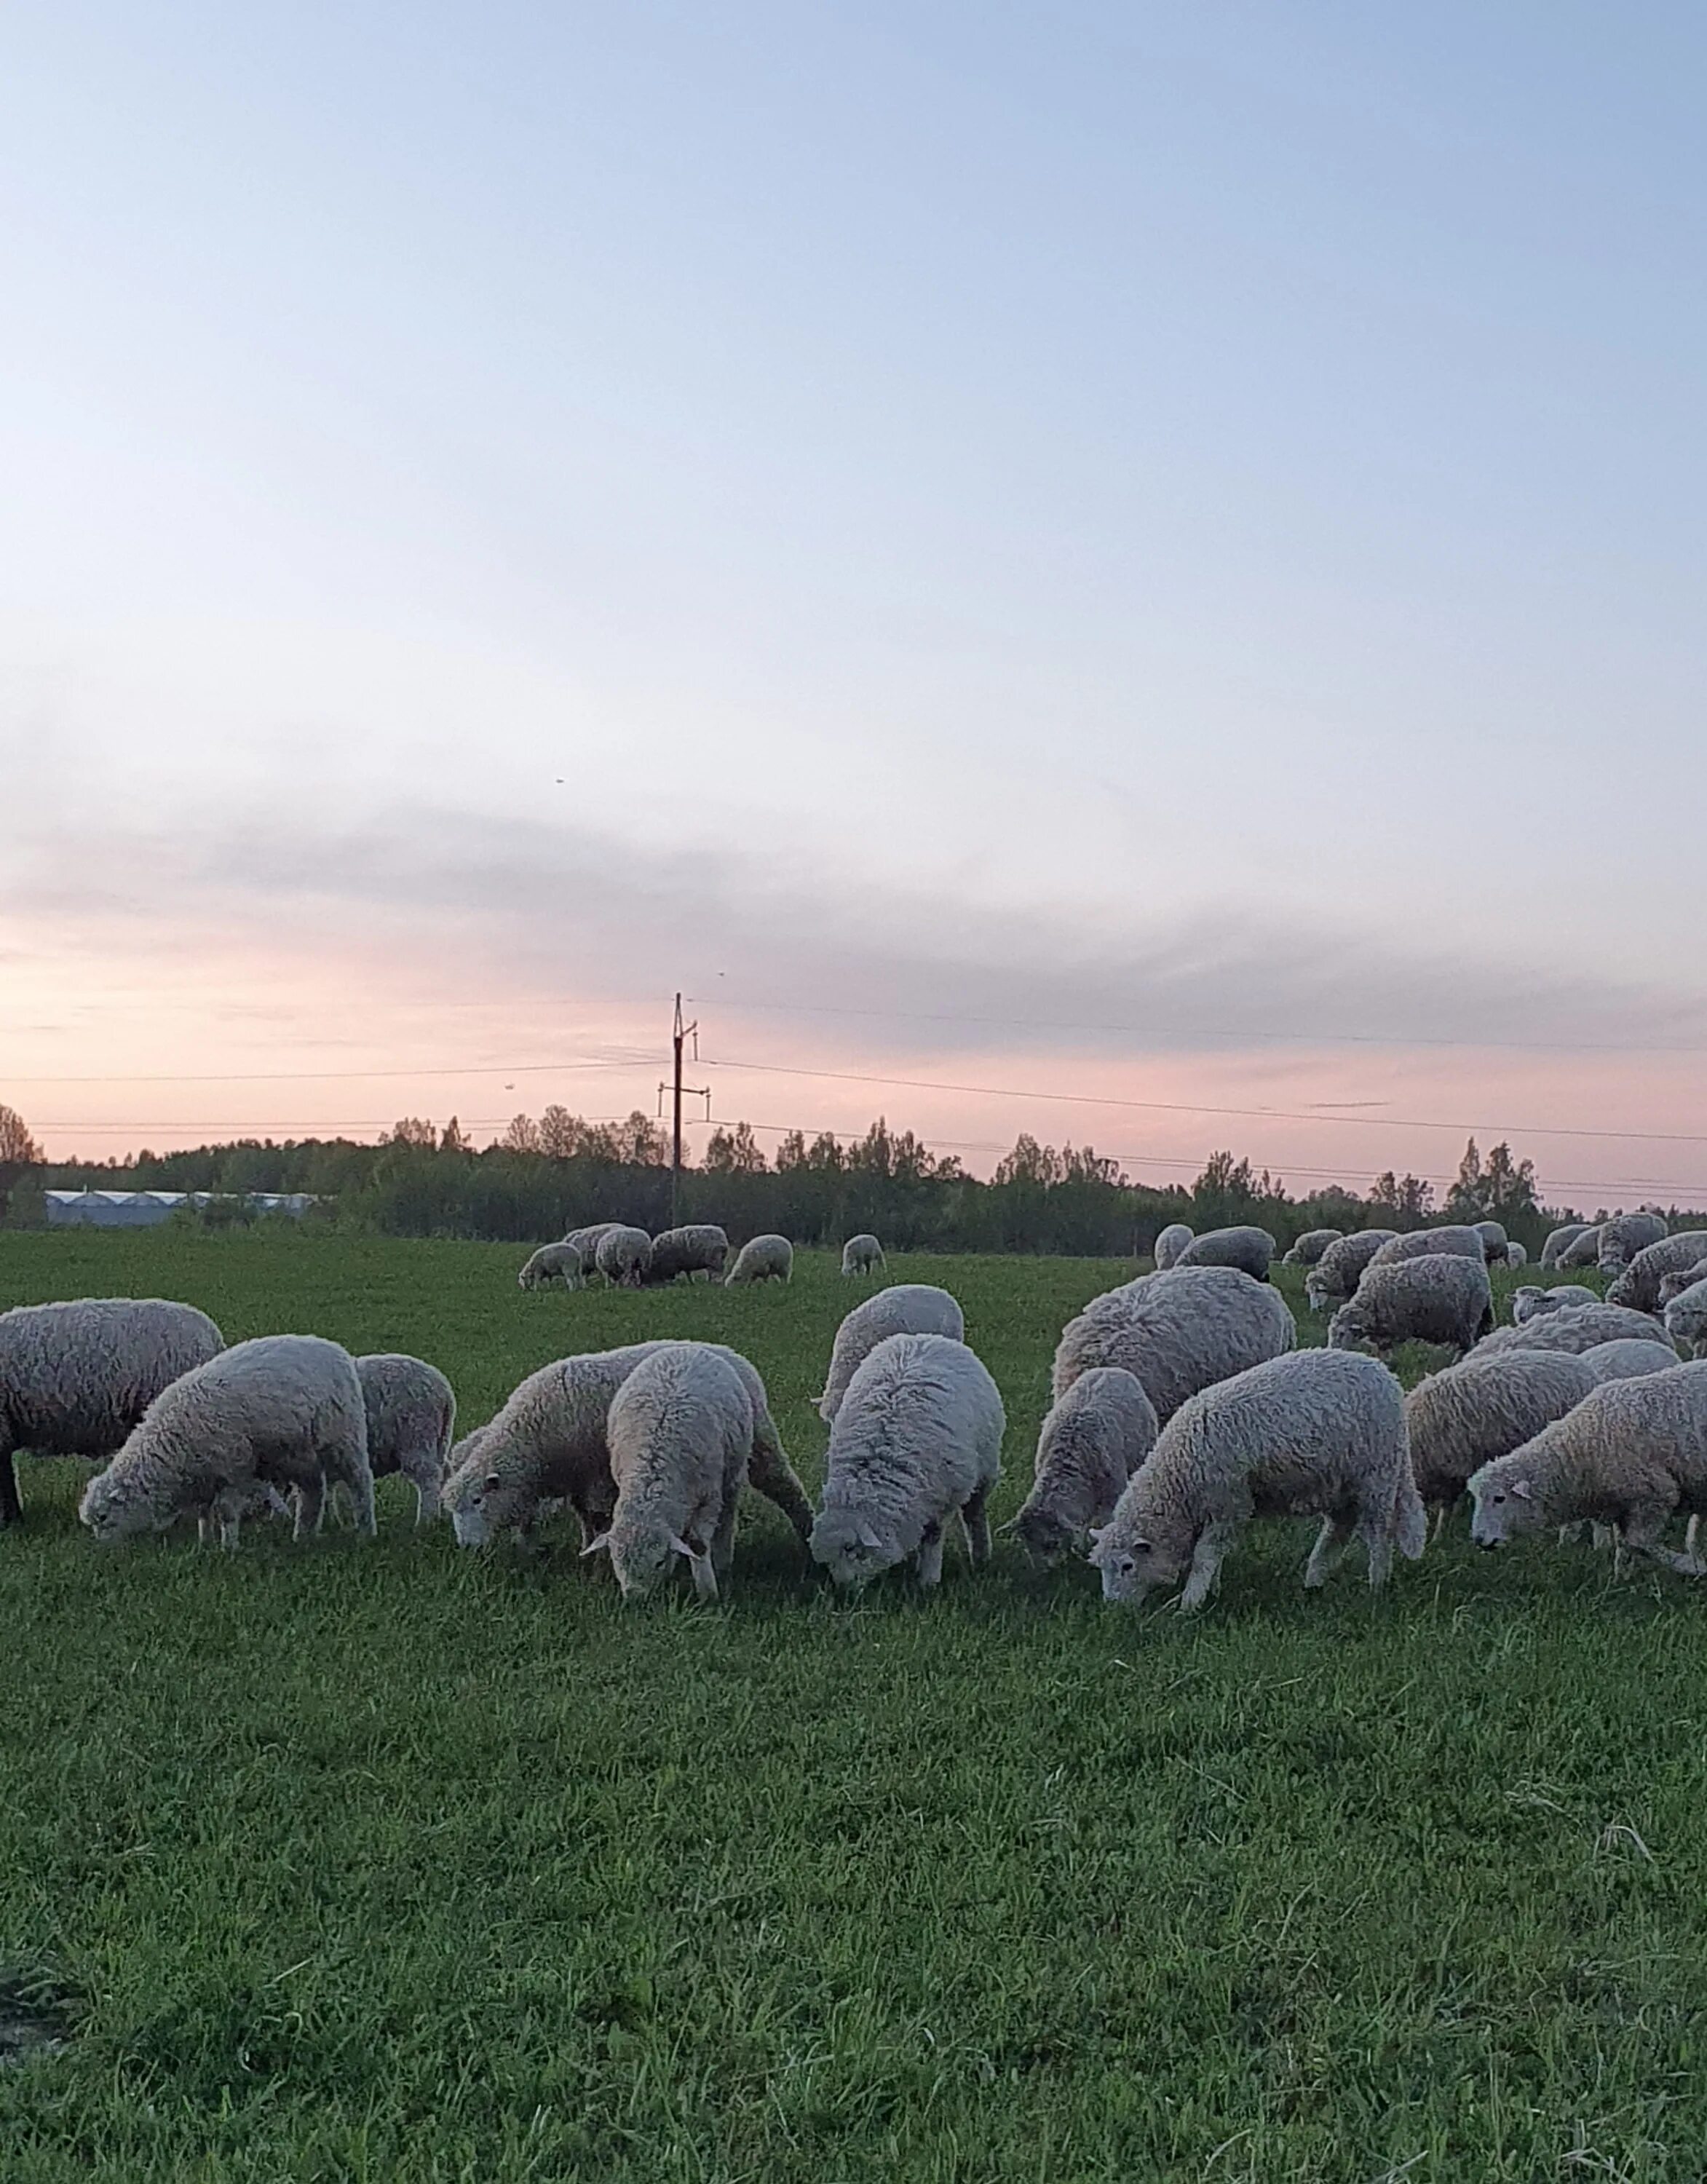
{"type": "Point", "coordinates": [1638, 1285]}
{"type": "Point", "coordinates": [862, 1254]}
{"type": "Point", "coordinates": [1625, 1235]}
{"type": "Point", "coordinates": [77, 1378]}
{"type": "Point", "coordinates": [1582, 1251]}
{"type": "Point", "coordinates": [411, 1415]}
{"type": "Point", "coordinates": [553, 1262]}
{"type": "Point", "coordinates": [548, 1442]}
{"type": "Point", "coordinates": [1459, 1241]}
{"type": "Point", "coordinates": [285, 1410]}
{"type": "Point", "coordinates": [1686, 1317]}
{"type": "Point", "coordinates": [1516, 1256]}
{"type": "Point", "coordinates": [1092, 1441]}
{"type": "Point", "coordinates": [679, 1430]}
{"type": "Point", "coordinates": [908, 1308]}
{"type": "Point", "coordinates": [624, 1256]}
{"type": "Point", "coordinates": [1319, 1433]}
{"type": "Point", "coordinates": [1531, 1300]}
{"type": "Point", "coordinates": [1169, 1244]}
{"type": "Point", "coordinates": [1628, 1360]}
{"type": "Point", "coordinates": [1632, 1454]}
{"type": "Point", "coordinates": [1494, 1243]}
{"type": "Point", "coordinates": [1461, 1418]}
{"type": "Point", "coordinates": [586, 1241]}
{"type": "Point", "coordinates": [762, 1259]}
{"type": "Point", "coordinates": [1559, 1239]}
{"type": "Point", "coordinates": [918, 1438]}
{"type": "Point", "coordinates": [1309, 1247]}
{"type": "Point", "coordinates": [1336, 1273]}
{"type": "Point", "coordinates": [1250, 1249]}
{"type": "Point", "coordinates": [700, 1248]}
{"type": "Point", "coordinates": [1581, 1327]}
{"type": "Point", "coordinates": [1438, 1298]}
{"type": "Point", "coordinates": [1178, 1332]}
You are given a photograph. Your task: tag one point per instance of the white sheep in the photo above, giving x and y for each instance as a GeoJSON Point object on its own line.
{"type": "Point", "coordinates": [283, 1410]}
{"type": "Point", "coordinates": [1639, 1283]}
{"type": "Point", "coordinates": [623, 1257]}
{"type": "Point", "coordinates": [1516, 1255]}
{"type": "Point", "coordinates": [762, 1259]}
{"type": "Point", "coordinates": [75, 1377]}
{"type": "Point", "coordinates": [1461, 1418]}
{"type": "Point", "coordinates": [1169, 1244]}
{"type": "Point", "coordinates": [553, 1262]}
{"type": "Point", "coordinates": [1252, 1251]}
{"type": "Point", "coordinates": [1458, 1240]}
{"type": "Point", "coordinates": [1336, 1273]}
{"type": "Point", "coordinates": [1438, 1298]}
{"type": "Point", "coordinates": [1495, 1245]}
{"type": "Point", "coordinates": [1558, 1240]}
{"type": "Point", "coordinates": [1626, 1360]}
{"type": "Point", "coordinates": [1309, 1247]}
{"type": "Point", "coordinates": [908, 1308]}
{"type": "Point", "coordinates": [679, 1430]}
{"type": "Point", "coordinates": [862, 1254]}
{"type": "Point", "coordinates": [1582, 1251]}
{"type": "Point", "coordinates": [1632, 1454]}
{"type": "Point", "coordinates": [1686, 1317]}
{"type": "Point", "coordinates": [1178, 1332]}
{"type": "Point", "coordinates": [1092, 1441]}
{"type": "Point", "coordinates": [586, 1241]}
{"type": "Point", "coordinates": [699, 1248]}
{"type": "Point", "coordinates": [1533, 1301]}
{"type": "Point", "coordinates": [1580, 1326]}
{"type": "Point", "coordinates": [411, 1414]}
{"type": "Point", "coordinates": [917, 1439]}
{"type": "Point", "coordinates": [1318, 1434]}
{"type": "Point", "coordinates": [1625, 1235]}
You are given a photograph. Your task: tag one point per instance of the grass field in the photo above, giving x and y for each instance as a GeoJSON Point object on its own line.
{"type": "Point", "coordinates": [401, 1862]}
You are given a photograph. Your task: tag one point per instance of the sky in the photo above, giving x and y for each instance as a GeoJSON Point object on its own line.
{"type": "Point", "coordinates": [1130, 572]}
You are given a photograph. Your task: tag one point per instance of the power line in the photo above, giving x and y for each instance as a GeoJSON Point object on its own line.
{"type": "Point", "coordinates": [639, 1056]}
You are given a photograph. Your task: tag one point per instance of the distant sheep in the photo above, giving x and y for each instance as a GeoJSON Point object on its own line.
{"type": "Point", "coordinates": [411, 1415]}
{"type": "Point", "coordinates": [1252, 1251]}
{"type": "Point", "coordinates": [679, 1430]}
{"type": "Point", "coordinates": [862, 1254]}
{"type": "Point", "coordinates": [1169, 1244]}
{"type": "Point", "coordinates": [1686, 1318]}
{"type": "Point", "coordinates": [553, 1262]}
{"type": "Point", "coordinates": [586, 1241]}
{"type": "Point", "coordinates": [1178, 1332]}
{"type": "Point", "coordinates": [1581, 1327]}
{"type": "Point", "coordinates": [1582, 1251]}
{"type": "Point", "coordinates": [1485, 1407]}
{"type": "Point", "coordinates": [1516, 1255]}
{"type": "Point", "coordinates": [1495, 1243]}
{"type": "Point", "coordinates": [1625, 1235]}
{"type": "Point", "coordinates": [762, 1259]}
{"type": "Point", "coordinates": [1309, 1247]}
{"type": "Point", "coordinates": [1092, 1441]}
{"type": "Point", "coordinates": [285, 1411]}
{"type": "Point", "coordinates": [700, 1248]}
{"type": "Point", "coordinates": [1459, 1241]}
{"type": "Point", "coordinates": [1533, 1301]}
{"type": "Point", "coordinates": [75, 1377]}
{"type": "Point", "coordinates": [1638, 1285]}
{"type": "Point", "coordinates": [1440, 1298]}
{"type": "Point", "coordinates": [1319, 1433]}
{"type": "Point", "coordinates": [908, 1308]}
{"type": "Point", "coordinates": [1559, 1239]}
{"type": "Point", "coordinates": [1336, 1273]}
{"type": "Point", "coordinates": [624, 1256]}
{"type": "Point", "coordinates": [917, 1439]}
{"type": "Point", "coordinates": [1628, 1360]}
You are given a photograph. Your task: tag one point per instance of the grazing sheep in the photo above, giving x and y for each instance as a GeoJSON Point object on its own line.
{"type": "Point", "coordinates": [1169, 1244]}
{"type": "Point", "coordinates": [1252, 1251]}
{"type": "Point", "coordinates": [586, 1240]}
{"type": "Point", "coordinates": [1178, 1332]}
{"type": "Point", "coordinates": [679, 1430]}
{"type": "Point", "coordinates": [862, 1254]}
{"type": "Point", "coordinates": [1336, 1273]}
{"type": "Point", "coordinates": [1319, 1433]}
{"type": "Point", "coordinates": [411, 1413]}
{"type": "Point", "coordinates": [553, 1262]}
{"type": "Point", "coordinates": [1438, 1298]}
{"type": "Point", "coordinates": [1092, 1441]}
{"type": "Point", "coordinates": [1581, 1327]}
{"type": "Point", "coordinates": [1559, 1239]}
{"type": "Point", "coordinates": [1495, 1245]}
{"type": "Point", "coordinates": [918, 1438]}
{"type": "Point", "coordinates": [1640, 1283]}
{"type": "Point", "coordinates": [232, 1507]}
{"type": "Point", "coordinates": [548, 1443]}
{"type": "Point", "coordinates": [1628, 1360]}
{"type": "Point", "coordinates": [700, 1248]}
{"type": "Point", "coordinates": [1625, 1235]}
{"type": "Point", "coordinates": [623, 1257]}
{"type": "Point", "coordinates": [75, 1377]}
{"type": "Point", "coordinates": [1686, 1317]}
{"type": "Point", "coordinates": [1309, 1247]}
{"type": "Point", "coordinates": [908, 1308]}
{"type": "Point", "coordinates": [1516, 1256]}
{"type": "Point", "coordinates": [285, 1410]}
{"type": "Point", "coordinates": [1582, 1251]}
{"type": "Point", "coordinates": [1632, 1454]}
{"type": "Point", "coordinates": [1459, 1241]}
{"type": "Point", "coordinates": [1531, 1300]}
{"type": "Point", "coordinates": [1464, 1417]}
{"type": "Point", "coordinates": [762, 1259]}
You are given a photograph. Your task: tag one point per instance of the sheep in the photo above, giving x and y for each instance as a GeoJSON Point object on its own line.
{"type": "Point", "coordinates": [548, 1442]}
{"type": "Point", "coordinates": [701, 1248]}
{"type": "Point", "coordinates": [1686, 1317]}
{"type": "Point", "coordinates": [1638, 1284]}
{"type": "Point", "coordinates": [1336, 1273]}
{"type": "Point", "coordinates": [553, 1262]}
{"type": "Point", "coordinates": [679, 1429]}
{"type": "Point", "coordinates": [762, 1259]}
{"type": "Point", "coordinates": [1309, 1247]}
{"type": "Point", "coordinates": [1626, 1360]}
{"type": "Point", "coordinates": [1461, 1418]}
{"type": "Point", "coordinates": [1531, 1300]}
{"type": "Point", "coordinates": [1459, 1241]}
{"type": "Point", "coordinates": [1632, 1454]}
{"type": "Point", "coordinates": [1625, 1235]}
{"type": "Point", "coordinates": [908, 1308]}
{"type": "Point", "coordinates": [1320, 1433]}
{"type": "Point", "coordinates": [586, 1241]}
{"type": "Point", "coordinates": [283, 1410]}
{"type": "Point", "coordinates": [1516, 1255]}
{"type": "Point", "coordinates": [1580, 1326]}
{"type": "Point", "coordinates": [1495, 1245]}
{"type": "Point", "coordinates": [75, 1377]}
{"type": "Point", "coordinates": [411, 1414]}
{"type": "Point", "coordinates": [1169, 1244]}
{"type": "Point", "coordinates": [1092, 1441]}
{"type": "Point", "coordinates": [623, 1257]}
{"type": "Point", "coordinates": [1438, 1298]}
{"type": "Point", "coordinates": [1178, 1332]}
{"type": "Point", "coordinates": [1251, 1250]}
{"type": "Point", "coordinates": [862, 1254]}
{"type": "Point", "coordinates": [1559, 1239]}
{"type": "Point", "coordinates": [918, 1438]}
{"type": "Point", "coordinates": [1582, 1251]}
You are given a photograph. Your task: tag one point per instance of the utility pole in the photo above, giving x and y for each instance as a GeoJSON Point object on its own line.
{"type": "Point", "coordinates": [679, 1036]}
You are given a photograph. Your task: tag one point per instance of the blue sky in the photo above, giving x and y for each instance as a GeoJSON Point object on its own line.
{"type": "Point", "coordinates": [1187, 520]}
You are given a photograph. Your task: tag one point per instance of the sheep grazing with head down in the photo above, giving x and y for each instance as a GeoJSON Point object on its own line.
{"type": "Point", "coordinates": [908, 1308]}
{"type": "Point", "coordinates": [1641, 1283]}
{"type": "Point", "coordinates": [1319, 1433]}
{"type": "Point", "coordinates": [77, 1378]}
{"type": "Point", "coordinates": [1459, 1241]}
{"type": "Point", "coordinates": [1686, 1317]}
{"type": "Point", "coordinates": [1440, 1298]}
{"type": "Point", "coordinates": [1177, 1332]}
{"type": "Point", "coordinates": [1252, 1251]}
{"type": "Point", "coordinates": [1516, 1255]}
{"type": "Point", "coordinates": [679, 1430]}
{"type": "Point", "coordinates": [1495, 1243]}
{"type": "Point", "coordinates": [1169, 1243]}
{"type": "Point", "coordinates": [1485, 1406]}
{"type": "Point", "coordinates": [1309, 1247]}
{"type": "Point", "coordinates": [1336, 1273]}
{"type": "Point", "coordinates": [1582, 1251]}
{"type": "Point", "coordinates": [1628, 1360]}
{"type": "Point", "coordinates": [1558, 1239]}
{"type": "Point", "coordinates": [624, 1256]}
{"type": "Point", "coordinates": [1531, 1300]}
{"type": "Point", "coordinates": [284, 1411]}
{"type": "Point", "coordinates": [917, 1439]}
{"type": "Point", "coordinates": [553, 1262]}
{"type": "Point", "coordinates": [1579, 1328]}
{"type": "Point", "coordinates": [586, 1241]}
{"type": "Point", "coordinates": [699, 1248]}
{"type": "Point", "coordinates": [1625, 1235]}
{"type": "Point", "coordinates": [862, 1254]}
{"type": "Point", "coordinates": [411, 1414]}
{"type": "Point", "coordinates": [762, 1259]}
{"type": "Point", "coordinates": [1092, 1441]}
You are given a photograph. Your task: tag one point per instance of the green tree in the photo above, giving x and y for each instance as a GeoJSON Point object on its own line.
{"type": "Point", "coordinates": [735, 1152]}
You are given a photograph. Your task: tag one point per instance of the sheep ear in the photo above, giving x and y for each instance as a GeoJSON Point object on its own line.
{"type": "Point", "coordinates": [1095, 1533]}
{"type": "Point", "coordinates": [601, 1545]}
{"type": "Point", "coordinates": [492, 1481]}
{"type": "Point", "coordinates": [1141, 1546]}
{"type": "Point", "coordinates": [1522, 1488]}
{"type": "Point", "coordinates": [868, 1537]}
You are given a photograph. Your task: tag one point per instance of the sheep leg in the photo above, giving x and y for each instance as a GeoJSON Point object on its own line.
{"type": "Point", "coordinates": [770, 1473]}
{"type": "Point", "coordinates": [723, 1538]}
{"type": "Point", "coordinates": [1439, 1524]}
{"type": "Point", "coordinates": [420, 1467]}
{"type": "Point", "coordinates": [1642, 1530]}
{"type": "Point", "coordinates": [1206, 1568]}
{"type": "Point", "coordinates": [11, 1509]}
{"type": "Point", "coordinates": [230, 1529]}
{"type": "Point", "coordinates": [975, 1524]}
{"type": "Point", "coordinates": [1378, 1540]}
{"type": "Point", "coordinates": [310, 1499]}
{"type": "Point", "coordinates": [1331, 1543]}
{"type": "Point", "coordinates": [931, 1557]}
